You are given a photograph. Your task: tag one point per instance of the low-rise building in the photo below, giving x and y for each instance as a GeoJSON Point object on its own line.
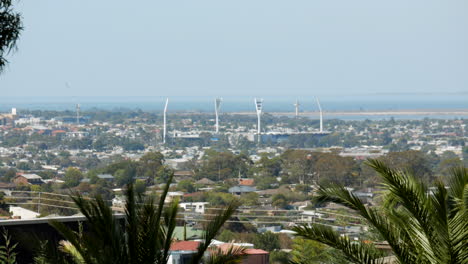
{"type": "Point", "coordinates": [28, 179]}
{"type": "Point", "coordinates": [198, 207]}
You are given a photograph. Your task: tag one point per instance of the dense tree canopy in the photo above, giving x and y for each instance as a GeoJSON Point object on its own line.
{"type": "Point", "coordinates": [72, 177]}
{"type": "Point", "coordinates": [10, 28]}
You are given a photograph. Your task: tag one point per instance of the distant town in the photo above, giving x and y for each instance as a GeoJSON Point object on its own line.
{"type": "Point", "coordinates": [273, 164]}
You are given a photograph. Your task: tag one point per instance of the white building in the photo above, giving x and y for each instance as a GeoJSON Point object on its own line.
{"type": "Point", "coordinates": [23, 213]}
{"type": "Point", "coordinates": [198, 207]}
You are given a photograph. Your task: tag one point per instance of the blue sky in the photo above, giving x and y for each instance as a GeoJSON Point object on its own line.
{"type": "Point", "coordinates": [239, 48]}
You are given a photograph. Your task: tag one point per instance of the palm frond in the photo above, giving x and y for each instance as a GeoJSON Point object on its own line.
{"type": "Point", "coordinates": [458, 215]}
{"type": "Point", "coordinates": [391, 232]}
{"type": "Point", "coordinates": [71, 250]}
{"type": "Point", "coordinates": [356, 252]}
{"type": "Point", "coordinates": [412, 195]}
{"type": "Point", "coordinates": [158, 232]}
{"type": "Point", "coordinates": [212, 229]}
{"type": "Point", "coordinates": [232, 255]}
{"type": "Point", "coordinates": [170, 220]}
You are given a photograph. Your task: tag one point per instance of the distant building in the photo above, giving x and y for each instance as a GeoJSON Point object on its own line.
{"type": "Point", "coordinates": [310, 216]}
{"type": "Point", "coordinates": [7, 119]}
{"type": "Point", "coordinates": [28, 179]}
{"type": "Point", "coordinates": [187, 232]}
{"type": "Point", "coordinates": [238, 190]}
{"type": "Point", "coordinates": [205, 181]}
{"type": "Point", "coordinates": [246, 182]}
{"type": "Point", "coordinates": [107, 177]}
{"type": "Point", "coordinates": [252, 256]}
{"type": "Point", "coordinates": [22, 213]}
{"type": "Point", "coordinates": [171, 196]}
{"type": "Point", "coordinates": [198, 207]}
{"type": "Point", "coordinates": [181, 252]}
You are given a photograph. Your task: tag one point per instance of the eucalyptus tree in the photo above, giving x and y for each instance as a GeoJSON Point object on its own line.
{"type": "Point", "coordinates": [10, 28]}
{"type": "Point", "coordinates": [420, 224]}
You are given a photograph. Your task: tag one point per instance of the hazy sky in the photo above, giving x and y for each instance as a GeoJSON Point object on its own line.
{"type": "Point", "coordinates": [241, 47]}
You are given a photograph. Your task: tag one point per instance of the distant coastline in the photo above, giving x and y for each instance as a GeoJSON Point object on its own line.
{"type": "Point", "coordinates": [422, 112]}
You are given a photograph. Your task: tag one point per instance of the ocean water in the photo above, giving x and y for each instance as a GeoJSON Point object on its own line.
{"type": "Point", "coordinates": [382, 102]}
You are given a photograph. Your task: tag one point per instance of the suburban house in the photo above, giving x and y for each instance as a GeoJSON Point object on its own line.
{"type": "Point", "coordinates": [310, 216]}
{"type": "Point", "coordinates": [238, 190]}
{"type": "Point", "coordinates": [106, 177]}
{"type": "Point", "coordinates": [252, 255]}
{"type": "Point", "coordinates": [171, 196]}
{"type": "Point", "coordinates": [198, 207]}
{"type": "Point", "coordinates": [205, 181]}
{"type": "Point", "coordinates": [246, 182]}
{"type": "Point", "coordinates": [28, 179]}
{"type": "Point", "coordinates": [181, 252]}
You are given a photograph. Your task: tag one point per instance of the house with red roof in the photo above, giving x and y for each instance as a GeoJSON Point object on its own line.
{"type": "Point", "coordinates": [252, 255]}
{"type": "Point", "coordinates": [181, 252]}
{"type": "Point", "coordinates": [246, 182]}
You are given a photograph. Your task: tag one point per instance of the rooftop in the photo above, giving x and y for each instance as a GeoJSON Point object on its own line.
{"type": "Point", "coordinates": [185, 246]}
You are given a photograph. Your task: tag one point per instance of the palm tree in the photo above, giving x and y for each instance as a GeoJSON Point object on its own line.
{"type": "Point", "coordinates": [421, 225]}
{"type": "Point", "coordinates": [144, 235]}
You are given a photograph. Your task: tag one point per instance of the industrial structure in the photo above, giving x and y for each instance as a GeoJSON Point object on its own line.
{"type": "Point", "coordinates": [321, 115]}
{"type": "Point", "coordinates": [217, 108]}
{"type": "Point", "coordinates": [164, 121]}
{"type": "Point", "coordinates": [278, 136]}
{"type": "Point", "coordinates": [9, 118]}
{"type": "Point", "coordinates": [77, 114]}
{"type": "Point", "coordinates": [296, 106]}
{"type": "Point", "coordinates": [258, 108]}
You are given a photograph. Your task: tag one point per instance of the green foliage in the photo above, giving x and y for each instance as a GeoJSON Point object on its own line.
{"type": "Point", "coordinates": [226, 236]}
{"type": "Point", "coordinates": [279, 257]}
{"type": "Point", "coordinates": [7, 251]}
{"type": "Point", "coordinates": [223, 165]}
{"type": "Point", "coordinates": [448, 164]}
{"type": "Point", "coordinates": [250, 199]}
{"type": "Point", "coordinates": [302, 188]}
{"type": "Point", "coordinates": [140, 187]}
{"type": "Point", "coordinates": [269, 167]}
{"type": "Point", "coordinates": [265, 182]}
{"type": "Point", "coordinates": [143, 236]}
{"type": "Point", "coordinates": [217, 198]}
{"type": "Point", "coordinates": [267, 241]}
{"type": "Point", "coordinates": [186, 186]}
{"type": "Point", "coordinates": [149, 164]}
{"type": "Point", "coordinates": [8, 175]}
{"type": "Point", "coordinates": [420, 226]}
{"type": "Point", "coordinates": [414, 162]}
{"type": "Point", "coordinates": [72, 177]}
{"type": "Point", "coordinates": [279, 200]}
{"type": "Point", "coordinates": [131, 145]}
{"type": "Point", "coordinates": [233, 255]}
{"type": "Point", "coordinates": [306, 251]}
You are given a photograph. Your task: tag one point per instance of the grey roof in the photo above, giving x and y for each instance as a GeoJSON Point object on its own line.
{"type": "Point", "coordinates": [205, 181]}
{"type": "Point", "coordinates": [32, 176]}
{"type": "Point", "coordinates": [242, 189]}
{"type": "Point", "coordinates": [105, 176]}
